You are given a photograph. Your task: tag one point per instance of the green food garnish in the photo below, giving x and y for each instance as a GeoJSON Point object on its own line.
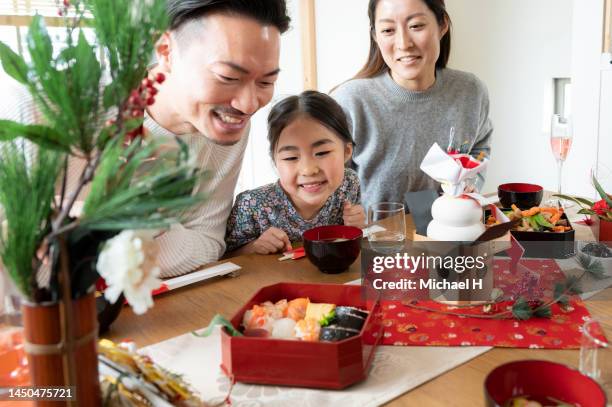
{"type": "Point", "coordinates": [327, 319]}
{"type": "Point", "coordinates": [541, 220]}
{"type": "Point", "coordinates": [533, 223]}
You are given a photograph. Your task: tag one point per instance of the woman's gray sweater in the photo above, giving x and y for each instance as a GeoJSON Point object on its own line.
{"type": "Point", "coordinates": [393, 128]}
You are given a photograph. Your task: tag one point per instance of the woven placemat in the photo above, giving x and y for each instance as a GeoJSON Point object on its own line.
{"type": "Point", "coordinates": [395, 370]}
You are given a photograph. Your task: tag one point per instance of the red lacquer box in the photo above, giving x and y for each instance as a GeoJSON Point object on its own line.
{"type": "Point", "coordinates": [325, 365]}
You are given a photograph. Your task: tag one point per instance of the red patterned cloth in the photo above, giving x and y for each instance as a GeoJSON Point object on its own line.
{"type": "Point", "coordinates": [405, 326]}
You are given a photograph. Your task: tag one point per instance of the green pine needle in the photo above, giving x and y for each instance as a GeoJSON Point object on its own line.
{"type": "Point", "coordinates": [26, 191]}
{"type": "Point", "coordinates": [591, 265]}
{"type": "Point", "coordinates": [126, 191]}
{"type": "Point", "coordinates": [521, 309]}
{"type": "Point", "coordinates": [543, 311]}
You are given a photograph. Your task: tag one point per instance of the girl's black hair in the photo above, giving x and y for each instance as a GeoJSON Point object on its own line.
{"type": "Point", "coordinates": [313, 104]}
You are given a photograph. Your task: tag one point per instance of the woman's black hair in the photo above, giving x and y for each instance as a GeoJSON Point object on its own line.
{"type": "Point", "coordinates": [316, 105]}
{"type": "Point", "coordinates": [266, 12]}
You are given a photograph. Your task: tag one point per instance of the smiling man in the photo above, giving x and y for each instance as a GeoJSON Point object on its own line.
{"type": "Point", "coordinates": [220, 59]}
{"type": "Point", "coordinates": [220, 63]}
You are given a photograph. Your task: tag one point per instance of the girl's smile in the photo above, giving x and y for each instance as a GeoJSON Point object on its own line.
{"type": "Point", "coordinates": [313, 187]}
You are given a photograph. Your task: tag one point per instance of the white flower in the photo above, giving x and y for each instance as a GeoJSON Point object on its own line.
{"type": "Point", "coordinates": [127, 263]}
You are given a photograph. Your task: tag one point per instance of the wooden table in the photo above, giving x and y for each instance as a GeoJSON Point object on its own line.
{"type": "Point", "coordinates": [193, 307]}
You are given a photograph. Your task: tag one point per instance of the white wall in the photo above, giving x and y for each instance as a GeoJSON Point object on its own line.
{"type": "Point", "coordinates": [587, 76]}
{"type": "Point", "coordinates": [342, 40]}
{"type": "Point", "coordinates": [604, 156]}
{"type": "Point", "coordinates": [517, 47]}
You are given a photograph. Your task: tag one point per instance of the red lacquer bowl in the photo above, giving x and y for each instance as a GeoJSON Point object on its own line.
{"type": "Point", "coordinates": [540, 379]}
{"type": "Point", "coordinates": [523, 195]}
{"type": "Point", "coordinates": [332, 248]}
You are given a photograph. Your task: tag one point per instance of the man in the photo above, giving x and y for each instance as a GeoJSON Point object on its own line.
{"type": "Point", "coordinates": [220, 62]}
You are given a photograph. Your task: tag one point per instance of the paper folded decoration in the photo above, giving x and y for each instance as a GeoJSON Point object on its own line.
{"type": "Point", "coordinates": [451, 170]}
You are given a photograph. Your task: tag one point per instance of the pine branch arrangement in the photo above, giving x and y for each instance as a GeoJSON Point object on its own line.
{"type": "Point", "coordinates": [94, 112]}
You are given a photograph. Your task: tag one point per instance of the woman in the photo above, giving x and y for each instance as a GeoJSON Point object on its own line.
{"type": "Point", "coordinates": [404, 99]}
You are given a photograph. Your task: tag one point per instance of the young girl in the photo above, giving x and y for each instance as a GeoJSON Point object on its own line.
{"type": "Point", "coordinates": [309, 144]}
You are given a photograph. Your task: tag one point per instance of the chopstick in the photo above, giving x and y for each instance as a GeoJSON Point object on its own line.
{"type": "Point", "coordinates": [293, 254]}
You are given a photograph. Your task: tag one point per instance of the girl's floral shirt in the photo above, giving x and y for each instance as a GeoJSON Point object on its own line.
{"type": "Point", "coordinates": [257, 210]}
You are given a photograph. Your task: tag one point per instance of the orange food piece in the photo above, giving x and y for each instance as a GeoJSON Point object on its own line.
{"type": "Point", "coordinates": [555, 218]}
{"type": "Point", "coordinates": [308, 330]}
{"type": "Point", "coordinates": [296, 309]}
{"type": "Point", "coordinates": [531, 212]}
{"type": "Point", "coordinates": [258, 317]}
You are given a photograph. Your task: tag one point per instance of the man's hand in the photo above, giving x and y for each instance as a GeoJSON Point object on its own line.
{"type": "Point", "coordinates": [272, 240]}
{"type": "Point", "coordinates": [353, 215]}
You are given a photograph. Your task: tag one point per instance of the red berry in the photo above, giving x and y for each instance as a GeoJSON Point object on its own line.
{"type": "Point", "coordinates": [150, 100]}
{"type": "Point", "coordinates": [137, 112]}
{"type": "Point", "coordinates": [60, 13]}
{"type": "Point", "coordinates": [160, 77]}
{"type": "Point", "coordinates": [66, 3]}
{"type": "Point", "coordinates": [152, 91]}
{"type": "Point", "coordinates": [134, 100]}
{"type": "Point", "coordinates": [146, 83]}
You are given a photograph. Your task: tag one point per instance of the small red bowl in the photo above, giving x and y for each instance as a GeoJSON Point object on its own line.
{"type": "Point", "coordinates": [332, 248]}
{"type": "Point", "coordinates": [523, 195]}
{"type": "Point", "coordinates": [540, 379]}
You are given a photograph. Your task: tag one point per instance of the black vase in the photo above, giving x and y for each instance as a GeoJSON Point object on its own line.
{"type": "Point", "coordinates": [108, 312]}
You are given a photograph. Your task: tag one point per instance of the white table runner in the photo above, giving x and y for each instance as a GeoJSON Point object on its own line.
{"type": "Point", "coordinates": [395, 370]}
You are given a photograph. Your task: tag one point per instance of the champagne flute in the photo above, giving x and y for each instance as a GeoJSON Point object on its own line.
{"type": "Point", "coordinates": [561, 134]}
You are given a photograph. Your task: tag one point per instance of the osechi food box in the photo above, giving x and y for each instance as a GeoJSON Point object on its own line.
{"type": "Point", "coordinates": [319, 336]}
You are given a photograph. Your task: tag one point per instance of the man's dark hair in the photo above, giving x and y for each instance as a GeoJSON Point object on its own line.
{"type": "Point", "coordinates": [266, 12]}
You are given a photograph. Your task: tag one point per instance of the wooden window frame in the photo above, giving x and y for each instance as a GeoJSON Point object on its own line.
{"type": "Point", "coordinates": [607, 28]}
{"type": "Point", "coordinates": [309, 43]}
{"type": "Point", "coordinates": [24, 21]}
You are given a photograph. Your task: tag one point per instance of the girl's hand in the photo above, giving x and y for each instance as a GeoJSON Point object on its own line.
{"type": "Point", "coordinates": [353, 215]}
{"type": "Point", "coordinates": [272, 240]}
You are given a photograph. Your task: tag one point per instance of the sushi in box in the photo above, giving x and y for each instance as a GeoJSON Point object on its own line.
{"type": "Point", "coordinates": [329, 349]}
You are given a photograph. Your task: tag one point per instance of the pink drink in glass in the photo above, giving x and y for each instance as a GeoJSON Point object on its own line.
{"type": "Point", "coordinates": [560, 147]}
